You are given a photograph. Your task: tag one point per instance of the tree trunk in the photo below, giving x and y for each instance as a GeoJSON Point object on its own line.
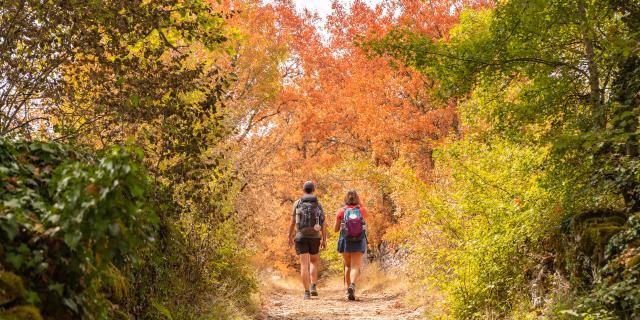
{"type": "Point", "coordinates": [595, 94]}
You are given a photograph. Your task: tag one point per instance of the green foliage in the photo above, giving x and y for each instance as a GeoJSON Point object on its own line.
{"type": "Point", "coordinates": [145, 73]}
{"type": "Point", "coordinates": [11, 288]}
{"type": "Point", "coordinates": [331, 258]}
{"type": "Point", "coordinates": [200, 255]}
{"type": "Point", "coordinates": [198, 258]}
{"type": "Point", "coordinates": [616, 294]}
{"type": "Point", "coordinates": [588, 234]}
{"type": "Point", "coordinates": [488, 221]}
{"type": "Point", "coordinates": [549, 170]}
{"type": "Point", "coordinates": [126, 52]}
{"type": "Point", "coordinates": [66, 219]}
{"type": "Point", "coordinates": [21, 313]}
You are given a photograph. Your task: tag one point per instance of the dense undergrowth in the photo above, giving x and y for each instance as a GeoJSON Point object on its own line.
{"type": "Point", "coordinates": [70, 223]}
{"type": "Point", "coordinates": [505, 242]}
{"type": "Point", "coordinates": [94, 230]}
{"type": "Point", "coordinates": [82, 236]}
{"type": "Point", "coordinates": [533, 213]}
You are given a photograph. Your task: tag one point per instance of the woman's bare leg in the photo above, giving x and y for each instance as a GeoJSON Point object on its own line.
{"type": "Point", "coordinates": [346, 256]}
{"type": "Point", "coordinates": [356, 264]}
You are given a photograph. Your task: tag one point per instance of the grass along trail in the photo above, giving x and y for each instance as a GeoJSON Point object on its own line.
{"type": "Point", "coordinates": [377, 297]}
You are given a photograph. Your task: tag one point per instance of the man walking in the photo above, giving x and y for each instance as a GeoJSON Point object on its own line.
{"type": "Point", "coordinates": [309, 234]}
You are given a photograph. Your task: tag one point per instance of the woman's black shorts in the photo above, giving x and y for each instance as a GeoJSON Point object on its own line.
{"type": "Point", "coordinates": [308, 245]}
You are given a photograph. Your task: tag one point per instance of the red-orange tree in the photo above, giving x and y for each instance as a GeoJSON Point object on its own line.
{"type": "Point", "coordinates": [341, 117]}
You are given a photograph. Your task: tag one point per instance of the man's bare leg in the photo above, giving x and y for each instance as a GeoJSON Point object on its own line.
{"type": "Point", "coordinates": [313, 269]}
{"type": "Point", "coordinates": [314, 266]}
{"type": "Point", "coordinates": [304, 270]}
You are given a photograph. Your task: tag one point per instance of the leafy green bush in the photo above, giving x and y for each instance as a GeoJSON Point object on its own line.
{"type": "Point", "coordinates": [525, 211]}
{"type": "Point", "coordinates": [68, 221]}
{"type": "Point", "coordinates": [199, 266]}
{"type": "Point", "coordinates": [500, 215]}
{"type": "Point", "coordinates": [616, 291]}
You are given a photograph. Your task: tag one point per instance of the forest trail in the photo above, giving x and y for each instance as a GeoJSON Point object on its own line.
{"type": "Point", "coordinates": [375, 300]}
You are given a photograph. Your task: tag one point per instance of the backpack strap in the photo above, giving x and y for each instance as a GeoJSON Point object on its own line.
{"type": "Point", "coordinates": [295, 212]}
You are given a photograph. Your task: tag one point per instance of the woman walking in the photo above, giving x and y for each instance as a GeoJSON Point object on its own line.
{"type": "Point", "coordinates": [353, 239]}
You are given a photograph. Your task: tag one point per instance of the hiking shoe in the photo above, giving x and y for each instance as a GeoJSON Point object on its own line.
{"type": "Point", "coordinates": [314, 290]}
{"type": "Point", "coordinates": [307, 295]}
{"type": "Point", "coordinates": [351, 292]}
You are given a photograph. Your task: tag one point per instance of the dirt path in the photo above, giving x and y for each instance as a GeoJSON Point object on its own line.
{"type": "Point", "coordinates": [284, 302]}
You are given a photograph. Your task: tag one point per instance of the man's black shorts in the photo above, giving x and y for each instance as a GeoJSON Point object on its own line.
{"type": "Point", "coordinates": [308, 245]}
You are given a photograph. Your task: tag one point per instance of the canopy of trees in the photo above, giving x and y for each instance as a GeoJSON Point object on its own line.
{"type": "Point", "coordinates": [152, 149]}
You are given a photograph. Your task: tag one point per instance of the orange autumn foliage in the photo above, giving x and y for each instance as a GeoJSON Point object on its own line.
{"type": "Point", "coordinates": [334, 106]}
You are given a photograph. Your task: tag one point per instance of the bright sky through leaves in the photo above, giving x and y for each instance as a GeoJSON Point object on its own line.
{"type": "Point", "coordinates": [323, 7]}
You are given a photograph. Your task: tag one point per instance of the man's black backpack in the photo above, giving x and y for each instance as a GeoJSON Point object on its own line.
{"type": "Point", "coordinates": [308, 215]}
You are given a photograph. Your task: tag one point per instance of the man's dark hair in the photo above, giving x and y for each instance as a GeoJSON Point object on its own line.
{"type": "Point", "coordinates": [308, 187]}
